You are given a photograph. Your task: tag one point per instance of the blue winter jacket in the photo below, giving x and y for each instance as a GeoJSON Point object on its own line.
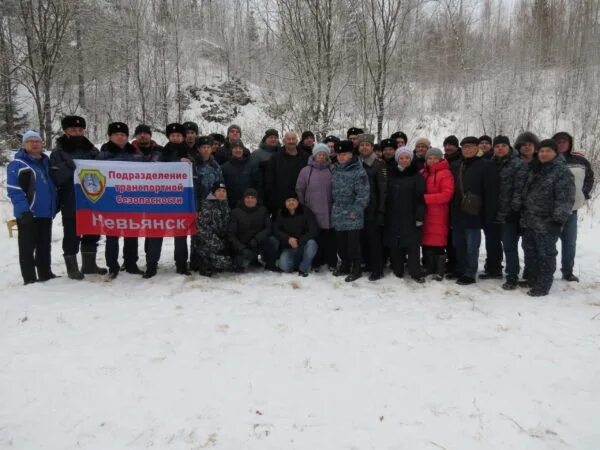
{"type": "Point", "coordinates": [30, 187]}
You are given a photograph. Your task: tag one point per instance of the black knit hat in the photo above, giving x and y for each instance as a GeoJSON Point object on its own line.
{"type": "Point", "coordinates": [354, 131]}
{"type": "Point", "coordinates": [205, 140]}
{"type": "Point", "coordinates": [142, 129]}
{"type": "Point", "coordinates": [270, 132]}
{"type": "Point", "coordinates": [290, 194]}
{"type": "Point", "coordinates": [387, 143]}
{"type": "Point", "coordinates": [331, 138]}
{"type": "Point", "coordinates": [549, 143]}
{"type": "Point", "coordinates": [237, 144]}
{"type": "Point", "coordinates": [117, 127]}
{"type": "Point", "coordinates": [451, 140]}
{"type": "Point", "coordinates": [218, 137]}
{"type": "Point", "coordinates": [217, 185]}
{"type": "Point", "coordinates": [307, 134]}
{"type": "Point", "coordinates": [190, 126]}
{"type": "Point", "coordinates": [485, 138]}
{"type": "Point", "coordinates": [250, 192]}
{"type": "Point", "coordinates": [175, 128]}
{"type": "Point", "coordinates": [501, 140]}
{"type": "Point", "coordinates": [343, 147]}
{"type": "Point", "coordinates": [469, 140]}
{"type": "Point", "coordinates": [399, 134]}
{"type": "Point", "coordinates": [72, 122]}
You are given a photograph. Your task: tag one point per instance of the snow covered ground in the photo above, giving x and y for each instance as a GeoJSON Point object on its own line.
{"type": "Point", "coordinates": [268, 361]}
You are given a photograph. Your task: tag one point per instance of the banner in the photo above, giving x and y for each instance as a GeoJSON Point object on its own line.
{"type": "Point", "coordinates": [134, 199]}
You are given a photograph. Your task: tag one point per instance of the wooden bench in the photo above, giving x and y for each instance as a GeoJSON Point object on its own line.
{"type": "Point", "coordinates": [12, 226]}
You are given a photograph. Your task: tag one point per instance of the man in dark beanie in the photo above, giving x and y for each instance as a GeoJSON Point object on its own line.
{"type": "Point", "coordinates": [453, 155]}
{"type": "Point", "coordinates": [472, 207]}
{"type": "Point", "coordinates": [249, 233]}
{"type": "Point", "coordinates": [70, 146]}
{"type": "Point", "coordinates": [241, 173]}
{"type": "Point", "coordinates": [582, 171]}
{"type": "Point", "coordinates": [548, 199]}
{"type": "Point", "coordinates": [388, 153]}
{"type": "Point", "coordinates": [330, 141]}
{"type": "Point", "coordinates": [352, 135]}
{"type": "Point", "coordinates": [218, 142]}
{"type": "Point", "coordinates": [268, 148]}
{"type": "Point", "coordinates": [485, 147]}
{"type": "Point", "coordinates": [144, 143]}
{"type": "Point", "coordinates": [234, 134]}
{"type": "Point", "coordinates": [307, 142]}
{"type": "Point", "coordinates": [118, 148]}
{"type": "Point", "coordinates": [400, 138]}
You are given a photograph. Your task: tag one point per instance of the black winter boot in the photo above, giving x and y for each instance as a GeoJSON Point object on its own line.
{"type": "Point", "coordinates": [342, 269]}
{"type": "Point", "coordinates": [89, 266]}
{"type": "Point", "coordinates": [355, 272]}
{"type": "Point", "coordinates": [440, 268]}
{"type": "Point", "coordinates": [72, 267]}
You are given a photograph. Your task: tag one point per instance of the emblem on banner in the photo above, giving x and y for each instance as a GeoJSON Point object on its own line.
{"type": "Point", "coordinates": [93, 184]}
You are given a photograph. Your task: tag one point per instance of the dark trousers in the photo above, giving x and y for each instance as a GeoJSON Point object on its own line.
{"type": "Point", "coordinates": [493, 248]}
{"type": "Point", "coordinates": [568, 244]}
{"type": "Point", "coordinates": [510, 244]}
{"type": "Point", "coordinates": [450, 254]}
{"type": "Point", "coordinates": [430, 258]}
{"type": "Point", "coordinates": [466, 242]}
{"type": "Point", "coordinates": [372, 246]}
{"type": "Point", "coordinates": [348, 246]}
{"type": "Point", "coordinates": [72, 242]}
{"type": "Point", "coordinates": [130, 253]}
{"type": "Point", "coordinates": [398, 257]}
{"type": "Point", "coordinates": [540, 259]}
{"type": "Point", "coordinates": [267, 250]}
{"type": "Point", "coordinates": [181, 251]}
{"type": "Point", "coordinates": [327, 252]}
{"type": "Point", "coordinates": [34, 242]}
{"type": "Point", "coordinates": [153, 248]}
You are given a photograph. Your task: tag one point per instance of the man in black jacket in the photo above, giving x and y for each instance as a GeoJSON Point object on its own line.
{"type": "Point", "coordinates": [241, 173]}
{"type": "Point", "coordinates": [371, 235]}
{"type": "Point", "coordinates": [473, 206]}
{"type": "Point", "coordinates": [249, 232]}
{"type": "Point", "coordinates": [145, 144]}
{"type": "Point", "coordinates": [282, 172]}
{"type": "Point", "coordinates": [70, 146]}
{"type": "Point", "coordinates": [296, 230]}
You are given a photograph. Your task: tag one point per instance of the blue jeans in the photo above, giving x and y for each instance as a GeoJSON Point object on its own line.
{"type": "Point", "coordinates": [568, 241]}
{"type": "Point", "coordinates": [510, 242]}
{"type": "Point", "coordinates": [466, 242]}
{"type": "Point", "coordinates": [300, 257]}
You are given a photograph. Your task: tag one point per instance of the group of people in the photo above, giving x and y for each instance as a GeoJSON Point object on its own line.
{"type": "Point", "coordinates": [346, 204]}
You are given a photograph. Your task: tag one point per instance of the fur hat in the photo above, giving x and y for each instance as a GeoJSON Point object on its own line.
{"type": "Point", "coordinates": [501, 140]}
{"type": "Point", "coordinates": [423, 140]}
{"type": "Point", "coordinates": [354, 131]}
{"type": "Point", "coordinates": [549, 143]}
{"type": "Point", "coordinates": [387, 143]}
{"type": "Point", "coordinates": [526, 137]}
{"type": "Point", "coordinates": [205, 140]}
{"type": "Point", "coordinates": [399, 134]}
{"type": "Point", "coordinates": [485, 138]}
{"type": "Point", "coordinates": [365, 137]}
{"type": "Point", "coordinates": [344, 147]}
{"type": "Point", "coordinates": [117, 127]}
{"type": "Point", "coordinates": [190, 126]}
{"type": "Point", "coordinates": [175, 128]}
{"type": "Point", "coordinates": [72, 122]}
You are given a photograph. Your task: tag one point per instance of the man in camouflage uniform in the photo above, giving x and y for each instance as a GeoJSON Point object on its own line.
{"type": "Point", "coordinates": [548, 200]}
{"type": "Point", "coordinates": [211, 249]}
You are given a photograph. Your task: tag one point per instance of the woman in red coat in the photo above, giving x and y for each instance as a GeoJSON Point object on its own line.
{"type": "Point", "coordinates": [439, 189]}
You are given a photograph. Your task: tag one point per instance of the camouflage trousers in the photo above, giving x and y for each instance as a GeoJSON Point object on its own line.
{"type": "Point", "coordinates": [540, 259]}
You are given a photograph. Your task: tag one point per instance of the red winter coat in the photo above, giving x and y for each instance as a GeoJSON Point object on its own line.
{"type": "Point", "coordinates": [439, 189]}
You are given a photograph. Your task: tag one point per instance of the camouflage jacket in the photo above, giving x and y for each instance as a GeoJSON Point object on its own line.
{"type": "Point", "coordinates": [350, 192]}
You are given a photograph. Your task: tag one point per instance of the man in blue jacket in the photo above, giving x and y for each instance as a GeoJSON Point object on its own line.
{"type": "Point", "coordinates": [33, 195]}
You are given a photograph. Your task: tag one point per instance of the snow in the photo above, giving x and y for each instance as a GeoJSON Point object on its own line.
{"type": "Point", "coordinates": [270, 361]}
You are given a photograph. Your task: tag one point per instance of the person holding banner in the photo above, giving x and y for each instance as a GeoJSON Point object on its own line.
{"type": "Point", "coordinates": [176, 150]}
{"type": "Point", "coordinates": [118, 148]}
{"type": "Point", "coordinates": [33, 195]}
{"type": "Point", "coordinates": [70, 146]}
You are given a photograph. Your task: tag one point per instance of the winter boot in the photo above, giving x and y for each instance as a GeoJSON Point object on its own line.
{"type": "Point", "coordinates": [72, 268]}
{"type": "Point", "coordinates": [88, 264]}
{"type": "Point", "coordinates": [440, 268]}
{"type": "Point", "coordinates": [342, 269]}
{"type": "Point", "coordinates": [355, 272]}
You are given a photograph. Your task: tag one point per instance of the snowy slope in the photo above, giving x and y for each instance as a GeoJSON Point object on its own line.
{"type": "Point", "coordinates": [268, 361]}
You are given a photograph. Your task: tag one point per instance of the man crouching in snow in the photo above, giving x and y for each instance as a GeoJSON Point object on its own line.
{"type": "Point", "coordinates": [33, 195]}
{"type": "Point", "coordinates": [210, 243]}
